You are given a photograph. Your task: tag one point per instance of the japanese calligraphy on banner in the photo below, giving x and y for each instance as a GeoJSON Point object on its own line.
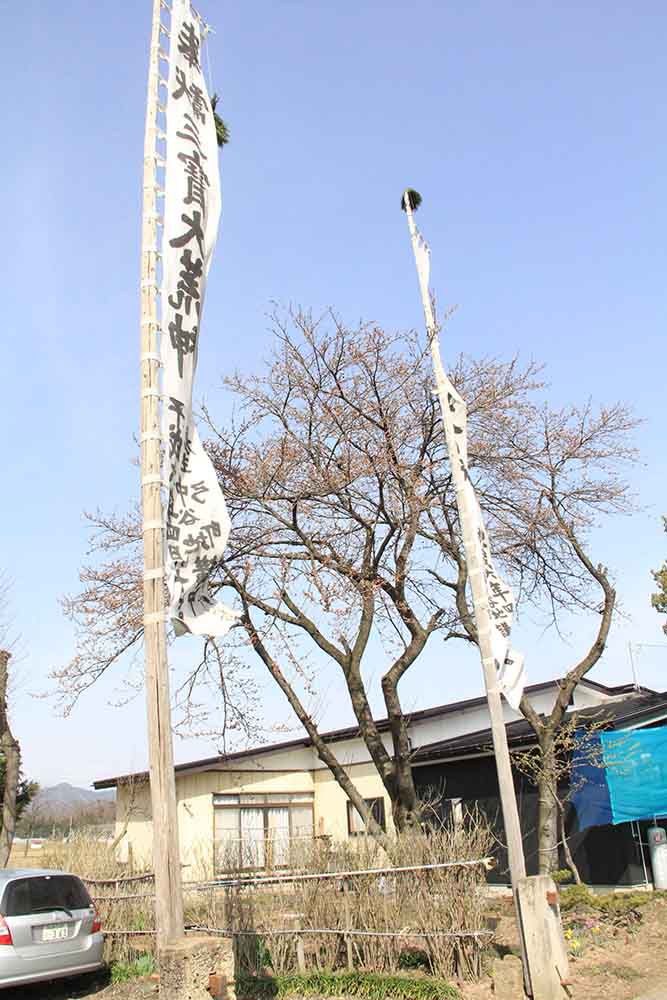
{"type": "Point", "coordinates": [197, 523]}
{"type": "Point", "coordinates": [499, 597]}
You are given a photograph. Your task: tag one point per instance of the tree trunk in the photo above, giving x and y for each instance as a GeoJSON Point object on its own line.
{"type": "Point", "coordinates": [404, 801]}
{"type": "Point", "coordinates": [10, 751]}
{"type": "Point", "coordinates": [129, 813]}
{"type": "Point", "coordinates": [569, 860]}
{"type": "Point", "coordinates": [547, 820]}
{"type": "Point", "coordinates": [320, 745]}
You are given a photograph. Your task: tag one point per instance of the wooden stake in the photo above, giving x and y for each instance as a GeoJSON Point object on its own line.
{"type": "Point", "coordinates": [300, 950]}
{"type": "Point", "coordinates": [166, 857]}
{"type": "Point", "coordinates": [348, 926]}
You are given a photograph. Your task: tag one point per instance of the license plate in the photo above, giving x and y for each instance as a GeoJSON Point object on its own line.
{"type": "Point", "coordinates": [57, 932]}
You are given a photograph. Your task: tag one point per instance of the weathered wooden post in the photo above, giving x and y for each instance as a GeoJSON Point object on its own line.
{"type": "Point", "coordinates": [191, 966]}
{"type": "Point", "coordinates": [166, 856]}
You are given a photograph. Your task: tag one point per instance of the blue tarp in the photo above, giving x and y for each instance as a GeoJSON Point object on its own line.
{"type": "Point", "coordinates": [590, 798]}
{"type": "Point", "coordinates": [631, 785]}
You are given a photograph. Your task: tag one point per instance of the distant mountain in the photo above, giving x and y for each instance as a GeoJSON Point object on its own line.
{"type": "Point", "coordinates": [65, 798]}
{"type": "Point", "coordinates": [64, 808]}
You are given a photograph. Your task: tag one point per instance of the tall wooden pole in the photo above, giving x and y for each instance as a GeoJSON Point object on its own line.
{"type": "Point", "coordinates": [474, 562]}
{"type": "Point", "coordinates": [166, 858]}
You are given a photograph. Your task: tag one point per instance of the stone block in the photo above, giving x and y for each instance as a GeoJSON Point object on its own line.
{"type": "Point", "coordinates": [196, 966]}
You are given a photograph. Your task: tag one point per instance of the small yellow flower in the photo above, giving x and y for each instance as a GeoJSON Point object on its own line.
{"type": "Point", "coordinates": [596, 930]}
{"type": "Point", "coordinates": [568, 934]}
{"type": "Point", "coordinates": [575, 945]}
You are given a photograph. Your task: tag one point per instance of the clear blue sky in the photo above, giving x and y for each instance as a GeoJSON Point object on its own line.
{"type": "Point", "coordinates": [536, 134]}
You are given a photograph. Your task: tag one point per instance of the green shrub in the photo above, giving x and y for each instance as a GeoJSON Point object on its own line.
{"type": "Point", "coordinates": [580, 897]}
{"type": "Point", "coordinates": [615, 904]}
{"type": "Point", "coordinates": [372, 986]}
{"type": "Point", "coordinates": [413, 958]}
{"type": "Point", "coordinates": [143, 965]}
{"type": "Point", "coordinates": [577, 897]}
{"type": "Point", "coordinates": [562, 876]}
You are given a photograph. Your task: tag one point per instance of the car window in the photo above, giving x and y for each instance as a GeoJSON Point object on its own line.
{"type": "Point", "coordinates": [44, 892]}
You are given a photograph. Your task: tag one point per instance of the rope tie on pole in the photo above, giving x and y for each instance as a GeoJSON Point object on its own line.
{"type": "Point", "coordinates": [155, 618]}
{"type": "Point", "coordinates": [153, 574]}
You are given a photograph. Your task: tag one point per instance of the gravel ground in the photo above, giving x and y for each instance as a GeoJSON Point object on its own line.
{"type": "Point", "coordinates": [98, 987]}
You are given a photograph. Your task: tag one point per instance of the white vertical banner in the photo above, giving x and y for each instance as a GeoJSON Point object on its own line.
{"type": "Point", "coordinates": [497, 595]}
{"type": "Point", "coordinates": [197, 523]}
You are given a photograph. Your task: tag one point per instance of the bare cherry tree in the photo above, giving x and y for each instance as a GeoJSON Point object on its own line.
{"type": "Point", "coordinates": [11, 754]}
{"type": "Point", "coordinates": [107, 613]}
{"type": "Point", "coordinates": [574, 476]}
{"type": "Point", "coordinates": [346, 550]}
{"type": "Point", "coordinates": [9, 746]}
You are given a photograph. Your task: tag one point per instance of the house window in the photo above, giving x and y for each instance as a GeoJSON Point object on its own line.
{"type": "Point", "coordinates": [355, 823]}
{"type": "Point", "coordinates": [256, 831]}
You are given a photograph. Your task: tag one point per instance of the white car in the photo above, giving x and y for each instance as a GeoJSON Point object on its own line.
{"type": "Point", "coordinates": [49, 927]}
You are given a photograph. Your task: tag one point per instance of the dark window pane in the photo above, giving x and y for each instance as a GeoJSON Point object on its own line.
{"type": "Point", "coordinates": [377, 811]}
{"type": "Point", "coordinates": [355, 824]}
{"type": "Point", "coordinates": [44, 892]}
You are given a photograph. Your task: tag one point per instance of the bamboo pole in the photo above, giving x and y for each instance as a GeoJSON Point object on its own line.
{"type": "Point", "coordinates": [251, 880]}
{"type": "Point", "coordinates": [166, 858]}
{"type": "Point", "coordinates": [474, 561]}
{"type": "Point", "coordinates": [475, 573]}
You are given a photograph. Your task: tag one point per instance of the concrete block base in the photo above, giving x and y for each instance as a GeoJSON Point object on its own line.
{"type": "Point", "coordinates": [508, 978]}
{"type": "Point", "coordinates": [194, 967]}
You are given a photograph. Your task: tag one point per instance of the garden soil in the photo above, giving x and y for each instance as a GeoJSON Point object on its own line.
{"type": "Point", "coordinates": [623, 962]}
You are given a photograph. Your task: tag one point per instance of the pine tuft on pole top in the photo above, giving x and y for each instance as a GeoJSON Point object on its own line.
{"type": "Point", "coordinates": [412, 198]}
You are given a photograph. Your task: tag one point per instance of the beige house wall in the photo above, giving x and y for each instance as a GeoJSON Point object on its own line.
{"type": "Point", "coordinates": [194, 793]}
{"type": "Point", "coordinates": [294, 769]}
{"type": "Point", "coordinates": [331, 800]}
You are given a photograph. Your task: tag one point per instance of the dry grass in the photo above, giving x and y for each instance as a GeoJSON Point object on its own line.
{"type": "Point", "coordinates": [424, 906]}
{"type": "Point", "coordinates": [416, 904]}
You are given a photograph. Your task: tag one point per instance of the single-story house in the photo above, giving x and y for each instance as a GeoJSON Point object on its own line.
{"type": "Point", "coordinates": [464, 767]}
{"type": "Point", "coordinates": [249, 805]}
